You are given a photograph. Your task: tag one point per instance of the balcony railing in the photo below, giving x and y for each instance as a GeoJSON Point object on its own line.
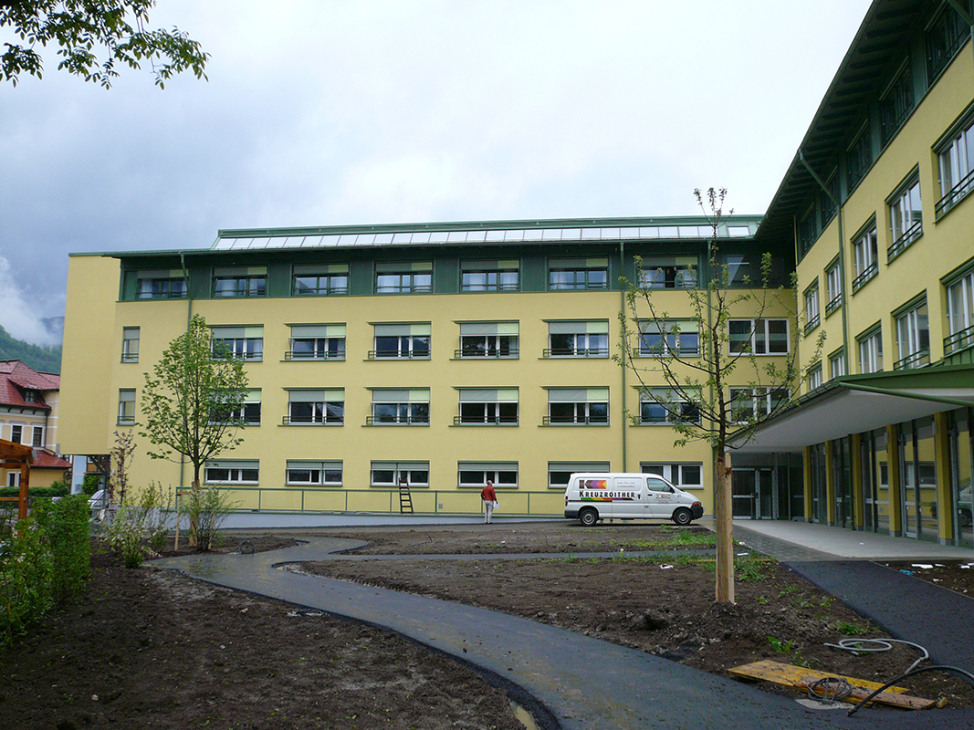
{"type": "Point", "coordinates": [393, 421]}
{"type": "Point", "coordinates": [495, 421]}
{"type": "Point", "coordinates": [955, 195]}
{"type": "Point", "coordinates": [868, 273]}
{"type": "Point", "coordinates": [301, 356]}
{"type": "Point", "coordinates": [587, 421]}
{"type": "Point", "coordinates": [329, 421]}
{"type": "Point", "coordinates": [914, 360]}
{"type": "Point", "coordinates": [903, 242]}
{"type": "Point", "coordinates": [959, 340]}
{"type": "Point", "coordinates": [811, 324]}
{"type": "Point", "coordinates": [576, 352]}
{"type": "Point", "coordinates": [397, 355]}
{"type": "Point", "coordinates": [833, 304]}
{"type": "Point", "coordinates": [511, 353]}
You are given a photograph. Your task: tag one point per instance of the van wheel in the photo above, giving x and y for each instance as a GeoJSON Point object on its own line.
{"type": "Point", "coordinates": [588, 517]}
{"type": "Point", "coordinates": [682, 517]}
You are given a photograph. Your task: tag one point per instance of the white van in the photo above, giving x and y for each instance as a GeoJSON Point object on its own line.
{"type": "Point", "coordinates": [593, 497]}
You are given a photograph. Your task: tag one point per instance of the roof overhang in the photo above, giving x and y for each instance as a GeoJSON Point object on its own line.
{"type": "Point", "coordinates": [860, 403]}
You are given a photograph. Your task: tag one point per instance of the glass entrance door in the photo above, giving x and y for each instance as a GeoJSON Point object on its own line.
{"type": "Point", "coordinates": [744, 493]}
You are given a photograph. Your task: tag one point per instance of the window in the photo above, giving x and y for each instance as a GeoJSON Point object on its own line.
{"type": "Point", "coordinates": [578, 406]}
{"type": "Point", "coordinates": [807, 232]}
{"type": "Point", "coordinates": [905, 217]}
{"type": "Point", "coordinates": [30, 396]}
{"type": "Point", "coordinates": [758, 336]}
{"type": "Point", "coordinates": [226, 471]}
{"type": "Point", "coordinates": [574, 274]}
{"type": "Point", "coordinates": [666, 406]}
{"type": "Point", "coordinates": [867, 256]}
{"type": "Point", "coordinates": [315, 407]}
{"type": "Point", "coordinates": [474, 475]}
{"type": "Point", "coordinates": [401, 341]}
{"type": "Point", "coordinates": [249, 411]}
{"type": "Point", "coordinates": [943, 39]}
{"type": "Point", "coordinates": [684, 476]}
{"type": "Point", "coordinates": [246, 343]}
{"type": "Point", "coordinates": [317, 342]}
{"type": "Point", "coordinates": [560, 472]}
{"type": "Point", "coordinates": [750, 404]}
{"type": "Point", "coordinates": [325, 280]}
{"type": "Point", "coordinates": [126, 407]}
{"type": "Point", "coordinates": [484, 406]}
{"type": "Point", "coordinates": [960, 314]}
{"type": "Point", "coordinates": [16, 432]}
{"type": "Point", "coordinates": [240, 281]}
{"type": "Point", "coordinates": [38, 437]}
{"type": "Point", "coordinates": [897, 104]}
{"type": "Point", "coordinates": [833, 287]}
{"type": "Point", "coordinates": [130, 344]}
{"type": "Point", "coordinates": [411, 277]}
{"type": "Point", "coordinates": [837, 365]}
{"type": "Point", "coordinates": [490, 276]}
{"type": "Point", "coordinates": [13, 479]}
{"type": "Point", "coordinates": [668, 272]}
{"type": "Point", "coordinates": [913, 338]}
{"type": "Point", "coordinates": [956, 160]}
{"type": "Point", "coordinates": [871, 351]}
{"type": "Point", "coordinates": [747, 270]}
{"type": "Point", "coordinates": [815, 376]}
{"type": "Point", "coordinates": [578, 339]}
{"type": "Point", "coordinates": [405, 407]}
{"type": "Point", "coordinates": [393, 473]}
{"type": "Point", "coordinates": [488, 339]}
{"type": "Point", "coordinates": [680, 338]}
{"type": "Point", "coordinates": [812, 319]}
{"type": "Point", "coordinates": [858, 158]}
{"type": "Point", "coordinates": [314, 473]}
{"type": "Point", "coordinates": [160, 285]}
{"type": "Point", "coordinates": [827, 200]}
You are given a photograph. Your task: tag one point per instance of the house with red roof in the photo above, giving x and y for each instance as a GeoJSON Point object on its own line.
{"type": "Point", "coordinates": [29, 416]}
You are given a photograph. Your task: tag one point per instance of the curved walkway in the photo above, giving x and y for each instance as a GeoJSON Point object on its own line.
{"type": "Point", "coordinates": [581, 683]}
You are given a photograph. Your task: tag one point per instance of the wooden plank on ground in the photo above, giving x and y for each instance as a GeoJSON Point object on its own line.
{"type": "Point", "coordinates": [800, 677]}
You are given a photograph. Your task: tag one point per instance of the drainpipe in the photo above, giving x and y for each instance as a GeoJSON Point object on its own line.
{"type": "Point", "coordinates": [625, 366]}
{"type": "Point", "coordinates": [838, 215]}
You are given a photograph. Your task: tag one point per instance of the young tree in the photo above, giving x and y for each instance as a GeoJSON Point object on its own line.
{"type": "Point", "coordinates": [78, 26]}
{"type": "Point", "coordinates": [721, 386]}
{"type": "Point", "coordinates": [192, 403]}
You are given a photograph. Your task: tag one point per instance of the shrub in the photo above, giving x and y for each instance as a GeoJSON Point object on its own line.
{"type": "Point", "coordinates": [91, 484]}
{"type": "Point", "coordinates": [67, 531]}
{"type": "Point", "coordinates": [26, 579]}
{"type": "Point", "coordinates": [139, 528]}
{"type": "Point", "coordinates": [206, 509]}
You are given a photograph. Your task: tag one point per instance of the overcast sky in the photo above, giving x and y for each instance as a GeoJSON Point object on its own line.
{"type": "Point", "coordinates": [330, 113]}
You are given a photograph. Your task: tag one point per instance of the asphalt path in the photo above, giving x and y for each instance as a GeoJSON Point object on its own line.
{"type": "Point", "coordinates": [565, 679]}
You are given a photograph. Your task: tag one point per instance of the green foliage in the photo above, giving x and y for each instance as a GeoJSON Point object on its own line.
{"type": "Point", "coordinates": [42, 559]}
{"type": "Point", "coordinates": [34, 493]}
{"type": "Point", "coordinates": [91, 484]}
{"type": "Point", "coordinates": [749, 568]}
{"type": "Point", "coordinates": [80, 27]}
{"type": "Point", "coordinates": [207, 508]}
{"type": "Point", "coordinates": [42, 359]}
{"type": "Point", "coordinates": [186, 390]}
{"type": "Point", "coordinates": [138, 527]}
{"type": "Point", "coordinates": [850, 629]}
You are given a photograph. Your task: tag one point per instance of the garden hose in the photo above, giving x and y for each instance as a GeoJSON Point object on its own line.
{"type": "Point", "coordinates": [875, 645]}
{"type": "Point", "coordinates": [965, 675]}
{"type": "Point", "coordinates": [829, 689]}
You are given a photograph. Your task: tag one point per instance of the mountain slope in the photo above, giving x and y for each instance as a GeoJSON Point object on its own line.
{"type": "Point", "coordinates": [43, 359]}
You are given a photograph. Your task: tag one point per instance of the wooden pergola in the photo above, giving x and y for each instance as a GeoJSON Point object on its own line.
{"type": "Point", "coordinates": [17, 456]}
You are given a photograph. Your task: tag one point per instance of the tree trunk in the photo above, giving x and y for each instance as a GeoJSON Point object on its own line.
{"type": "Point", "coordinates": [194, 514]}
{"type": "Point", "coordinates": [723, 514]}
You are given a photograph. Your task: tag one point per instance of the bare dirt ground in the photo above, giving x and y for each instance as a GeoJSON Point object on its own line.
{"type": "Point", "coordinates": [148, 648]}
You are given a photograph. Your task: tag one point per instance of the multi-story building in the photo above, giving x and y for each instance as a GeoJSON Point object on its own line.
{"type": "Point", "coordinates": [441, 355]}
{"type": "Point", "coordinates": [876, 201]}
{"type": "Point", "coordinates": [29, 416]}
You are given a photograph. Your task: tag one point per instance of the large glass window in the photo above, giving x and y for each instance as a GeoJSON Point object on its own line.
{"type": "Point", "coordinates": [411, 277]}
{"type": "Point", "coordinates": [812, 316]}
{"type": "Point", "coordinates": [488, 406]}
{"type": "Point", "coordinates": [913, 338]}
{"type": "Point", "coordinates": [669, 337]}
{"type": "Point", "coordinates": [684, 476]}
{"type": "Point", "coordinates": [391, 474]}
{"type": "Point", "coordinates": [490, 276]}
{"type": "Point", "coordinates": [38, 437]}
{"type": "Point", "coordinates": [867, 257]}
{"type": "Point", "coordinates": [815, 376]}
{"type": "Point", "coordinates": [578, 339]}
{"type": "Point", "coordinates": [758, 336]}
{"type": "Point", "coordinates": [665, 406]}
{"type": "Point", "coordinates": [859, 157]}
{"type": "Point", "coordinates": [314, 473]}
{"type": "Point", "coordinates": [578, 406]}
{"type": "Point", "coordinates": [871, 351]}
{"type": "Point", "coordinates": [474, 475]}
{"type": "Point", "coordinates": [905, 217]}
{"type": "Point", "coordinates": [896, 104]}
{"type": "Point", "coordinates": [160, 285]}
{"type": "Point", "coordinates": [226, 471]}
{"type": "Point", "coordinates": [668, 272]}
{"type": "Point", "coordinates": [401, 341]}
{"type": "Point", "coordinates": [749, 404]}
{"type": "Point", "coordinates": [126, 407]}
{"type": "Point", "coordinates": [943, 39]}
{"type": "Point", "coordinates": [246, 343]}
{"type": "Point", "coordinates": [837, 366]}
{"type": "Point", "coordinates": [568, 274]}
{"type": "Point", "coordinates": [956, 159]}
{"type": "Point", "coordinates": [833, 279]}
{"type": "Point", "coordinates": [17, 431]}
{"type": "Point", "coordinates": [249, 411]}
{"type": "Point", "coordinates": [560, 472]}
{"type": "Point", "coordinates": [130, 344]}
{"type": "Point", "coordinates": [316, 407]}
{"type": "Point", "coordinates": [400, 407]}
{"type": "Point", "coordinates": [325, 280]}
{"type": "Point", "coordinates": [488, 339]}
{"type": "Point", "coordinates": [960, 314]}
{"type": "Point", "coordinates": [317, 342]}
{"type": "Point", "coordinates": [240, 281]}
